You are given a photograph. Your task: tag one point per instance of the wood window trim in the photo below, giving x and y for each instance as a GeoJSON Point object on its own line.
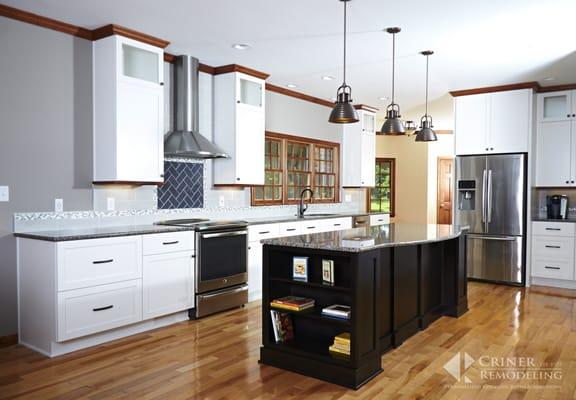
{"type": "Point", "coordinates": [285, 138]}
{"type": "Point", "coordinates": [392, 162]}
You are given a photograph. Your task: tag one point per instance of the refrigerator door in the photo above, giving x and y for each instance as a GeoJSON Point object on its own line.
{"type": "Point", "coordinates": [495, 258]}
{"type": "Point", "coordinates": [506, 194]}
{"type": "Point", "coordinates": [471, 170]}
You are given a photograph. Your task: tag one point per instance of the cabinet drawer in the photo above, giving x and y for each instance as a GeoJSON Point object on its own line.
{"type": "Point", "coordinates": [84, 263]}
{"type": "Point", "coordinates": [553, 248]}
{"type": "Point", "coordinates": [264, 231]}
{"type": "Point", "coordinates": [337, 224]}
{"type": "Point", "coordinates": [553, 228]}
{"type": "Point", "coordinates": [313, 226]}
{"type": "Point", "coordinates": [379, 219]}
{"type": "Point", "coordinates": [167, 243]}
{"type": "Point", "coordinates": [290, 229]}
{"type": "Point", "coordinates": [553, 269]}
{"type": "Point", "coordinates": [86, 311]}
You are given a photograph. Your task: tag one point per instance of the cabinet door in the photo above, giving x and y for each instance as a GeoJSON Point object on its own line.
{"type": "Point", "coordinates": [555, 106]}
{"type": "Point", "coordinates": [140, 145]}
{"type": "Point", "coordinates": [510, 121]}
{"type": "Point", "coordinates": [254, 271]}
{"type": "Point", "coordinates": [367, 160]}
{"type": "Point", "coordinates": [140, 62]}
{"type": "Point", "coordinates": [472, 114]}
{"type": "Point", "coordinates": [368, 122]}
{"type": "Point", "coordinates": [168, 283]}
{"type": "Point", "coordinates": [553, 154]}
{"type": "Point", "coordinates": [249, 91]}
{"type": "Point", "coordinates": [250, 143]}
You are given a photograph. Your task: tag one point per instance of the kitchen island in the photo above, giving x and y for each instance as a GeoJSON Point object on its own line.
{"type": "Point", "coordinates": [396, 278]}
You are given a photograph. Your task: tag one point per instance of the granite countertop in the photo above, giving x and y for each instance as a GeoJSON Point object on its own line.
{"type": "Point", "coordinates": [390, 235]}
{"type": "Point", "coordinates": [295, 218]}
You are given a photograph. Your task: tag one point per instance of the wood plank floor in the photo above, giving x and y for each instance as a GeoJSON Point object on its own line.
{"type": "Point", "coordinates": [217, 358]}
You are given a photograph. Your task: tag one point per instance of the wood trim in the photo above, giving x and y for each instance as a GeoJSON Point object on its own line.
{"type": "Point", "coordinates": [225, 69]}
{"type": "Point", "coordinates": [8, 340]}
{"type": "Point", "coordinates": [366, 108]}
{"type": "Point", "coordinates": [444, 132]}
{"type": "Point", "coordinates": [392, 186]}
{"type": "Point", "coordinates": [515, 86]}
{"type": "Point", "coordinates": [112, 29]}
{"type": "Point", "coordinates": [206, 68]}
{"type": "Point", "coordinates": [302, 139]}
{"type": "Point", "coordinates": [557, 88]}
{"type": "Point", "coordinates": [298, 95]}
{"type": "Point", "coordinates": [44, 22]}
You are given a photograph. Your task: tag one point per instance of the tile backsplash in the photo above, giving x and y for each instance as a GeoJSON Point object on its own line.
{"type": "Point", "coordinates": [183, 186]}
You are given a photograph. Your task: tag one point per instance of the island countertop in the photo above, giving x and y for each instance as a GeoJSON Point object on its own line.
{"type": "Point", "coordinates": [368, 238]}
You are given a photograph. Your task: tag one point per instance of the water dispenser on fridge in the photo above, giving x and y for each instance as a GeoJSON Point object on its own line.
{"type": "Point", "coordinates": [466, 195]}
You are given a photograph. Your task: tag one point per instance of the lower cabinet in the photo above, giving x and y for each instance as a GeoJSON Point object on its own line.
{"type": "Point", "coordinates": [254, 271]}
{"type": "Point", "coordinates": [168, 283]}
{"type": "Point", "coordinates": [553, 245]}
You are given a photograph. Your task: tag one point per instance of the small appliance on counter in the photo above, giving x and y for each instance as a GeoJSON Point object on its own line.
{"type": "Point", "coordinates": [557, 206]}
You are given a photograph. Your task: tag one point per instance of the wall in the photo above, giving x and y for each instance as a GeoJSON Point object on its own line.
{"type": "Point", "coordinates": [441, 109]}
{"type": "Point", "coordinates": [45, 134]}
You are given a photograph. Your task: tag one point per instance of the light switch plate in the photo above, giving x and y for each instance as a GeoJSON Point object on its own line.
{"type": "Point", "coordinates": [4, 193]}
{"type": "Point", "coordinates": [58, 205]}
{"type": "Point", "coordinates": [110, 204]}
{"type": "Point", "coordinates": [221, 201]}
{"type": "Point", "coordinates": [348, 198]}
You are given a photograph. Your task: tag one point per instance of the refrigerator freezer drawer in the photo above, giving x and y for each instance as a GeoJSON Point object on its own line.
{"type": "Point", "coordinates": [553, 248]}
{"type": "Point", "coordinates": [495, 258]}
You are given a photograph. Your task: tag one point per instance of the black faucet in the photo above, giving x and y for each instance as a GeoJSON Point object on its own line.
{"type": "Point", "coordinates": [303, 207]}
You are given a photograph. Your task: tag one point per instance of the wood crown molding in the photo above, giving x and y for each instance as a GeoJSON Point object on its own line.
{"type": "Point", "coordinates": [491, 89]}
{"type": "Point", "coordinates": [557, 88]}
{"type": "Point", "coordinates": [366, 108]}
{"type": "Point", "coordinates": [112, 29]}
{"type": "Point", "coordinates": [225, 69]}
{"type": "Point", "coordinates": [298, 95]}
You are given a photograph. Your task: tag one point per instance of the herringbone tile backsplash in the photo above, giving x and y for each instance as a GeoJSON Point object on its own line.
{"type": "Point", "coordinates": [183, 186]}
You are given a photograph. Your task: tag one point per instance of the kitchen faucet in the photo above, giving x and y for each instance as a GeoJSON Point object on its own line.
{"type": "Point", "coordinates": [303, 207]}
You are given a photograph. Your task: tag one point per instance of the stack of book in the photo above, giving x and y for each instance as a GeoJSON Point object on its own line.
{"type": "Point", "coordinates": [293, 303]}
{"type": "Point", "coordinates": [341, 345]}
{"type": "Point", "coordinates": [282, 326]}
{"type": "Point", "coordinates": [337, 311]}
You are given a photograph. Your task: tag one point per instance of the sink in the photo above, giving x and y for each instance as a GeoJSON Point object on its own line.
{"type": "Point", "coordinates": [318, 215]}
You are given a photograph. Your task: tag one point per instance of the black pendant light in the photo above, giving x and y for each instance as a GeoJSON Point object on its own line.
{"type": "Point", "coordinates": [426, 133]}
{"type": "Point", "coordinates": [393, 124]}
{"type": "Point", "coordinates": [343, 111]}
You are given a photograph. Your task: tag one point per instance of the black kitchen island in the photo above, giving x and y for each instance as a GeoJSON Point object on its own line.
{"type": "Point", "coordinates": [396, 278]}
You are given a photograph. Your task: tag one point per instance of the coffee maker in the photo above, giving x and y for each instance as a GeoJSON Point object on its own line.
{"type": "Point", "coordinates": [557, 206]}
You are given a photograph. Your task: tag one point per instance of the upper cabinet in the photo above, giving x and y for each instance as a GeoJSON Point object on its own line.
{"type": "Point", "coordinates": [556, 106]}
{"type": "Point", "coordinates": [128, 111]}
{"type": "Point", "coordinates": [359, 151]}
{"type": "Point", "coordinates": [239, 129]}
{"type": "Point", "coordinates": [490, 123]}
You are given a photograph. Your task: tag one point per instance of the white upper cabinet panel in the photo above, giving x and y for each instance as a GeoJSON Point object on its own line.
{"type": "Point", "coordinates": [359, 151]}
{"type": "Point", "coordinates": [555, 106]}
{"type": "Point", "coordinates": [510, 121]}
{"type": "Point", "coordinates": [471, 128]}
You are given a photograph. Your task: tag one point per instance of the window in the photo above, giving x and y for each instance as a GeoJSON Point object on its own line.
{"type": "Point", "coordinates": [382, 195]}
{"type": "Point", "coordinates": [294, 163]}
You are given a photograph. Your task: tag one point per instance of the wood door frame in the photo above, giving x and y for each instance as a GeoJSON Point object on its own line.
{"type": "Point", "coordinates": [438, 161]}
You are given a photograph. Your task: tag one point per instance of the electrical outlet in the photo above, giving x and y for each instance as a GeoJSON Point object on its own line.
{"type": "Point", "coordinates": [221, 202]}
{"type": "Point", "coordinates": [4, 193]}
{"type": "Point", "coordinates": [348, 198]}
{"type": "Point", "coordinates": [110, 204]}
{"type": "Point", "coordinates": [58, 205]}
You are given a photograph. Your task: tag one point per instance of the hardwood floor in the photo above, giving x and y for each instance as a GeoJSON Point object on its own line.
{"type": "Point", "coordinates": [217, 358]}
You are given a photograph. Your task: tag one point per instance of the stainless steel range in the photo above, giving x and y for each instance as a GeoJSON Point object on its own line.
{"type": "Point", "coordinates": [221, 264]}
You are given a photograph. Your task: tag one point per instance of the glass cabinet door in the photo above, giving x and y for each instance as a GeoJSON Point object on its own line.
{"type": "Point", "coordinates": [554, 106]}
{"type": "Point", "coordinates": [140, 64]}
{"type": "Point", "coordinates": [368, 122]}
{"type": "Point", "coordinates": [250, 92]}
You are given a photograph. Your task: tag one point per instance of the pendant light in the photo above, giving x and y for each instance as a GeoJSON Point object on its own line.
{"type": "Point", "coordinates": [343, 111]}
{"type": "Point", "coordinates": [426, 133]}
{"type": "Point", "coordinates": [393, 125]}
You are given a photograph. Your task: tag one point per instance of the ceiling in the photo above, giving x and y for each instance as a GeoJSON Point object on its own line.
{"type": "Point", "coordinates": [476, 43]}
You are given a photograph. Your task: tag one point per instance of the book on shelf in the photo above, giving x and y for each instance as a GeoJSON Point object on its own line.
{"type": "Point", "coordinates": [282, 326]}
{"type": "Point", "coordinates": [337, 311]}
{"type": "Point", "coordinates": [293, 303]}
{"type": "Point", "coordinates": [343, 338]}
{"type": "Point", "coordinates": [356, 242]}
{"type": "Point", "coordinates": [341, 345]}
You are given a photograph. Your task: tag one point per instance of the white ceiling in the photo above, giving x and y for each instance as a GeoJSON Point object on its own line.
{"type": "Point", "coordinates": [476, 42]}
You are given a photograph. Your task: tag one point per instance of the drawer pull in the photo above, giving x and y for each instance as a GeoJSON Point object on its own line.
{"type": "Point", "coordinates": [310, 227]}
{"type": "Point", "coordinates": [103, 308]}
{"type": "Point", "coordinates": [380, 220]}
{"type": "Point", "coordinates": [169, 243]}
{"type": "Point", "coordinates": [360, 222]}
{"type": "Point", "coordinates": [263, 233]}
{"type": "Point", "coordinates": [337, 224]}
{"type": "Point", "coordinates": [290, 229]}
{"type": "Point", "coordinates": [552, 247]}
{"type": "Point", "coordinates": [549, 267]}
{"type": "Point", "coordinates": [103, 261]}
{"type": "Point", "coordinates": [553, 229]}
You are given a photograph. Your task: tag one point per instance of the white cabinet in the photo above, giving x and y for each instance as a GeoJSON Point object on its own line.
{"type": "Point", "coordinates": [254, 271]}
{"type": "Point", "coordinates": [168, 283]}
{"type": "Point", "coordinates": [128, 111]}
{"type": "Point", "coordinates": [359, 151]}
{"type": "Point", "coordinates": [490, 123]}
{"type": "Point", "coordinates": [239, 114]}
{"type": "Point", "coordinates": [556, 106]}
{"type": "Point", "coordinates": [555, 155]}
{"type": "Point", "coordinates": [379, 219]}
{"type": "Point", "coordinates": [553, 246]}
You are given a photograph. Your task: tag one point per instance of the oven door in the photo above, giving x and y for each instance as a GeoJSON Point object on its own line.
{"type": "Point", "coordinates": [221, 259]}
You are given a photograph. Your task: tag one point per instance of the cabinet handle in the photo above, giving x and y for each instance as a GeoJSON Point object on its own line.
{"type": "Point", "coordinates": [567, 181]}
{"type": "Point", "coordinates": [567, 115]}
{"type": "Point", "coordinates": [571, 181]}
{"type": "Point", "coordinates": [263, 232]}
{"type": "Point", "coordinates": [161, 83]}
{"type": "Point", "coordinates": [491, 148]}
{"type": "Point", "coordinates": [553, 229]}
{"type": "Point", "coordinates": [337, 224]}
{"type": "Point", "coordinates": [573, 115]}
{"type": "Point", "coordinates": [103, 308]}
{"type": "Point", "coordinates": [552, 247]}
{"type": "Point", "coordinates": [168, 243]}
{"type": "Point", "coordinates": [290, 229]}
{"type": "Point", "coordinates": [549, 267]}
{"type": "Point", "coordinates": [487, 149]}
{"type": "Point", "coordinates": [103, 261]}
{"type": "Point", "coordinates": [310, 227]}
{"type": "Point", "coordinates": [249, 247]}
{"type": "Point", "coordinates": [237, 179]}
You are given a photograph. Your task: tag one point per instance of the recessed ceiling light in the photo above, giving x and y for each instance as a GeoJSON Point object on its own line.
{"type": "Point", "coordinates": [328, 78]}
{"type": "Point", "coordinates": [241, 46]}
{"type": "Point", "coordinates": [383, 98]}
{"type": "Point", "coordinates": [291, 86]}
{"type": "Point", "coordinates": [549, 78]}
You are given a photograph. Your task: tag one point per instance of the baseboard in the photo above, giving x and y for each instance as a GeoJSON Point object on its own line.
{"type": "Point", "coordinates": [553, 291]}
{"type": "Point", "coordinates": [553, 283]}
{"type": "Point", "coordinates": [8, 340]}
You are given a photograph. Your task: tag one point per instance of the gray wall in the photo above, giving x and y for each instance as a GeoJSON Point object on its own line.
{"type": "Point", "coordinates": [45, 134]}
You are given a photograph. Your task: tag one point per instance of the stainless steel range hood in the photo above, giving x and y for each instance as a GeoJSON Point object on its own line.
{"type": "Point", "coordinates": [185, 139]}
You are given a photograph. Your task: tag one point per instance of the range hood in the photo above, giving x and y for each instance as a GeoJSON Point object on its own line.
{"type": "Point", "coordinates": [185, 139]}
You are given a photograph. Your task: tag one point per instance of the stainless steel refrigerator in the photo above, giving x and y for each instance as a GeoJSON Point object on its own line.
{"type": "Point", "coordinates": [491, 200]}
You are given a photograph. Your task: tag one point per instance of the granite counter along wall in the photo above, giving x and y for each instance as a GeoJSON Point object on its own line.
{"type": "Point", "coordinates": [539, 201]}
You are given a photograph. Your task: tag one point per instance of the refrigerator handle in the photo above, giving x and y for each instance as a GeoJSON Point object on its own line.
{"type": "Point", "coordinates": [489, 196]}
{"type": "Point", "coordinates": [484, 196]}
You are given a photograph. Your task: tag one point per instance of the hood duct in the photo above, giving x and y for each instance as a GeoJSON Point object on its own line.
{"type": "Point", "coordinates": [185, 139]}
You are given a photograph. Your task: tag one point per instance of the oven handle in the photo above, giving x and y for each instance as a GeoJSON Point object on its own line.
{"type": "Point", "coordinates": [221, 292]}
{"type": "Point", "coordinates": [222, 234]}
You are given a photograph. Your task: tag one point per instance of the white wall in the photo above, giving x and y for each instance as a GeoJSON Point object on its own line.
{"type": "Point", "coordinates": [441, 110]}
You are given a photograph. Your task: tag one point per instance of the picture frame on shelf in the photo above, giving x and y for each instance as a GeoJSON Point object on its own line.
{"type": "Point", "coordinates": [328, 272]}
{"type": "Point", "coordinates": [300, 268]}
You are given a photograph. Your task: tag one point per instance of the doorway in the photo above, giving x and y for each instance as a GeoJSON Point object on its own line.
{"type": "Point", "coordinates": [445, 190]}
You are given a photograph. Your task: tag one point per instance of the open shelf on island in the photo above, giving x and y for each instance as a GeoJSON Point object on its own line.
{"type": "Point", "coordinates": [311, 284]}
{"type": "Point", "coordinates": [312, 347]}
{"type": "Point", "coordinates": [315, 314]}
